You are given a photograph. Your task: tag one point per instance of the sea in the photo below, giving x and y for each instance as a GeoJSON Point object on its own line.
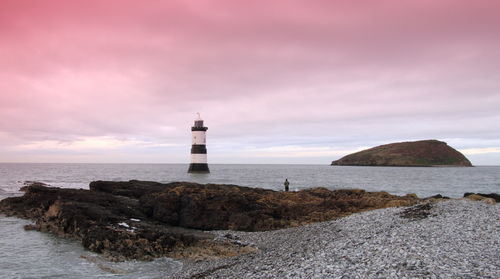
{"type": "Point", "coordinates": [31, 254]}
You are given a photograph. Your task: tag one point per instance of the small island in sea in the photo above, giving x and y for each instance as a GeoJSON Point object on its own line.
{"type": "Point", "coordinates": [423, 153]}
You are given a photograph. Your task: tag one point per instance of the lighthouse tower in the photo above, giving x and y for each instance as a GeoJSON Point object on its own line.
{"type": "Point", "coordinates": [199, 149]}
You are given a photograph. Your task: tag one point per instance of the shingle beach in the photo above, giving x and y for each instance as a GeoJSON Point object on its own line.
{"type": "Point", "coordinates": [449, 239]}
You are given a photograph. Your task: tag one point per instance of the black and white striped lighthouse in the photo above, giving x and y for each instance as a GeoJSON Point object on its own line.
{"type": "Point", "coordinates": [199, 148]}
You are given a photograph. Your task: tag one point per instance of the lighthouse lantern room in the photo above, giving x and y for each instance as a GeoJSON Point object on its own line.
{"type": "Point", "coordinates": [198, 149]}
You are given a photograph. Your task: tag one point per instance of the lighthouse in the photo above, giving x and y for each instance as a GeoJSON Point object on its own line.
{"type": "Point", "coordinates": [199, 148]}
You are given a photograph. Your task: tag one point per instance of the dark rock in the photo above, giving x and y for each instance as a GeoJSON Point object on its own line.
{"type": "Point", "coordinates": [131, 189]}
{"type": "Point", "coordinates": [215, 207]}
{"type": "Point", "coordinates": [494, 196]}
{"type": "Point", "coordinates": [423, 153]}
{"type": "Point", "coordinates": [438, 196]}
{"type": "Point", "coordinates": [142, 220]}
{"type": "Point", "coordinates": [101, 221]}
{"type": "Point", "coordinates": [30, 227]}
{"type": "Point", "coordinates": [32, 183]}
{"type": "Point", "coordinates": [417, 212]}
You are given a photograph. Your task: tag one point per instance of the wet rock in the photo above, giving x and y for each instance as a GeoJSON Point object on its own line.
{"type": "Point", "coordinates": [32, 183]}
{"type": "Point", "coordinates": [143, 220]}
{"type": "Point", "coordinates": [30, 227]}
{"type": "Point", "coordinates": [97, 218]}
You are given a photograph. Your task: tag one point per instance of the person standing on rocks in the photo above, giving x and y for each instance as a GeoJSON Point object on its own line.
{"type": "Point", "coordinates": [286, 184]}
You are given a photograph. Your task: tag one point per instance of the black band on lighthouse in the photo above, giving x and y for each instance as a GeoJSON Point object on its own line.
{"type": "Point", "coordinates": [196, 167]}
{"type": "Point", "coordinates": [198, 149]}
{"type": "Point", "coordinates": [199, 129]}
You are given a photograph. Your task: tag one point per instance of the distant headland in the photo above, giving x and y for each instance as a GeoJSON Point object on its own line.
{"type": "Point", "coordinates": [424, 153]}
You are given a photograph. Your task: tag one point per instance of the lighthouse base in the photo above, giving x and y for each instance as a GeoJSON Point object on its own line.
{"type": "Point", "coordinates": [198, 168]}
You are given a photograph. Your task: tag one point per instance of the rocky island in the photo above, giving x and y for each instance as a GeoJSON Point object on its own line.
{"type": "Point", "coordinates": [144, 220]}
{"type": "Point", "coordinates": [424, 153]}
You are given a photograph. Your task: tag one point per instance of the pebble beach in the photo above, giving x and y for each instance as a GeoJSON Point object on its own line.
{"type": "Point", "coordinates": [449, 239]}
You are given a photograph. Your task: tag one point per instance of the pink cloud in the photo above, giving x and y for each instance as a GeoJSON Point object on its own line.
{"type": "Point", "coordinates": [281, 69]}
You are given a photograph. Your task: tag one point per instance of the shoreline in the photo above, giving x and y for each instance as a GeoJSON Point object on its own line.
{"type": "Point", "coordinates": [458, 238]}
{"type": "Point", "coordinates": [353, 246]}
{"type": "Point", "coordinates": [145, 220]}
{"type": "Point", "coordinates": [299, 230]}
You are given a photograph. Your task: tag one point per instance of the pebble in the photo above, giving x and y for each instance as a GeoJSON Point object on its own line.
{"type": "Point", "coordinates": [459, 239]}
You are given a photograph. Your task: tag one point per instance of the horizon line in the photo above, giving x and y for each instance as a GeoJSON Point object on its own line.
{"type": "Point", "coordinates": [138, 163]}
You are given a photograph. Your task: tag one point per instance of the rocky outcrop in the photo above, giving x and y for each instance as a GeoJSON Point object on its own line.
{"type": "Point", "coordinates": [110, 224]}
{"type": "Point", "coordinates": [487, 198]}
{"type": "Point", "coordinates": [210, 207]}
{"type": "Point", "coordinates": [143, 220]}
{"type": "Point", "coordinates": [423, 153]}
{"type": "Point", "coordinates": [494, 196]}
{"type": "Point", "coordinates": [417, 212]}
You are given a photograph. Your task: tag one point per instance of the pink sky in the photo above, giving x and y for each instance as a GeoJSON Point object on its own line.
{"type": "Point", "coordinates": [275, 81]}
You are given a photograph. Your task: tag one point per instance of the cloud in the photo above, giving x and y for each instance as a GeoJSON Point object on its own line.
{"type": "Point", "coordinates": [89, 144]}
{"type": "Point", "coordinates": [299, 151]}
{"type": "Point", "coordinates": [336, 74]}
{"type": "Point", "coordinates": [475, 151]}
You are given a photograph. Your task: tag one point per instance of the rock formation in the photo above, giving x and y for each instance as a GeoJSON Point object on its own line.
{"type": "Point", "coordinates": [143, 220]}
{"type": "Point", "coordinates": [424, 153]}
{"type": "Point", "coordinates": [492, 198]}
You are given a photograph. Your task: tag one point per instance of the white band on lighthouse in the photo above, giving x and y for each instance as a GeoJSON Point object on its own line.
{"type": "Point", "coordinates": [199, 158]}
{"type": "Point", "coordinates": [198, 137]}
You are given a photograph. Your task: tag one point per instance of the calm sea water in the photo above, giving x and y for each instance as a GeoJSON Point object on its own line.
{"type": "Point", "coordinates": [30, 254]}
